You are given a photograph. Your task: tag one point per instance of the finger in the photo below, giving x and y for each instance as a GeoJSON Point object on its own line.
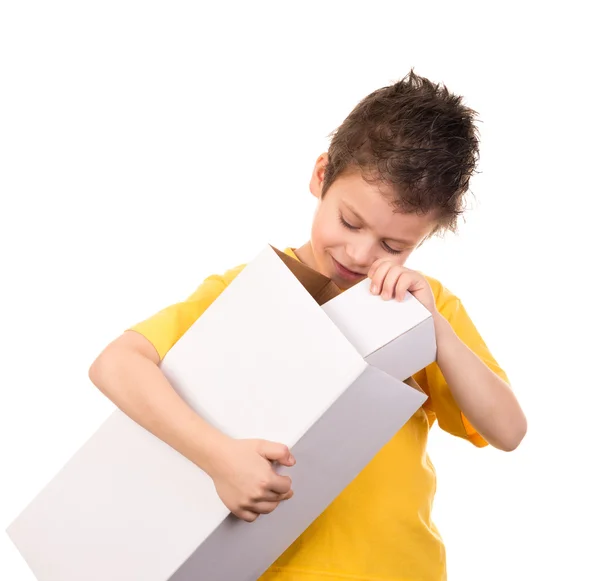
{"type": "Point", "coordinates": [374, 267]}
{"type": "Point", "coordinates": [389, 285]}
{"type": "Point", "coordinates": [272, 496]}
{"type": "Point", "coordinates": [280, 484]}
{"type": "Point", "coordinates": [264, 507]}
{"type": "Point", "coordinates": [404, 283]}
{"type": "Point", "coordinates": [289, 461]}
{"type": "Point", "coordinates": [379, 276]}
{"type": "Point", "coordinates": [276, 452]}
{"type": "Point", "coordinates": [247, 515]}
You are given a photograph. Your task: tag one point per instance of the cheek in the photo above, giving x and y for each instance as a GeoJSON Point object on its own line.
{"type": "Point", "coordinates": [324, 232]}
{"type": "Point", "coordinates": [315, 235]}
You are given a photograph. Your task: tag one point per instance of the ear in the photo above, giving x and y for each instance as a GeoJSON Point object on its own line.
{"type": "Point", "coordinates": [316, 180]}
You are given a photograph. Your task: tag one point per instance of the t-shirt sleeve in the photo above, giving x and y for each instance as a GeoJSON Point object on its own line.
{"type": "Point", "coordinates": [166, 327]}
{"type": "Point", "coordinates": [441, 402]}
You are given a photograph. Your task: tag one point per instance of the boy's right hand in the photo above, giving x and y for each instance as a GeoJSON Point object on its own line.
{"type": "Point", "coordinates": [244, 477]}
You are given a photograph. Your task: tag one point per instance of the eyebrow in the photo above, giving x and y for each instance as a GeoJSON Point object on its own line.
{"type": "Point", "coordinates": [357, 215]}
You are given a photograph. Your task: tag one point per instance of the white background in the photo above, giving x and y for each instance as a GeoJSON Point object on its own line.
{"type": "Point", "coordinates": [144, 146]}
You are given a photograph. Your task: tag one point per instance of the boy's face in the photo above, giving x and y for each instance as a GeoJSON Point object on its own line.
{"type": "Point", "coordinates": [354, 225]}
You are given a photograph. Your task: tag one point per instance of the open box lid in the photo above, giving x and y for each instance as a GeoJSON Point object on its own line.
{"type": "Point", "coordinates": [304, 355]}
{"type": "Point", "coordinates": [390, 335]}
{"type": "Point", "coordinates": [368, 321]}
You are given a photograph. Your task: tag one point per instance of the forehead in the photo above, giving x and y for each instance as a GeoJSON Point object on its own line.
{"type": "Point", "coordinates": [373, 203]}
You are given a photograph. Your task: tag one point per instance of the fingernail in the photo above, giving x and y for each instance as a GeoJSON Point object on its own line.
{"type": "Point", "coordinates": [373, 289]}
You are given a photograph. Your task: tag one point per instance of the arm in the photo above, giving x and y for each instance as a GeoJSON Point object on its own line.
{"type": "Point", "coordinates": [486, 399]}
{"type": "Point", "coordinates": [127, 373]}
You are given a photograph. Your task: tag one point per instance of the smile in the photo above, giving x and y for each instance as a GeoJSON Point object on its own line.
{"type": "Point", "coordinates": [346, 273]}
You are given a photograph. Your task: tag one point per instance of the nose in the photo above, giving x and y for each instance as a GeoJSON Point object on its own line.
{"type": "Point", "coordinates": [360, 254]}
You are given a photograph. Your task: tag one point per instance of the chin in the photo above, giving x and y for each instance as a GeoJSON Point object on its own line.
{"type": "Point", "coordinates": [345, 285]}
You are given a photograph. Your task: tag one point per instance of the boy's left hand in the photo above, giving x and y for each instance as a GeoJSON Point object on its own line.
{"type": "Point", "coordinates": [392, 281]}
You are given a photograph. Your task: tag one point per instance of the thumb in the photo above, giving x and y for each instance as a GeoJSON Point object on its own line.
{"type": "Point", "coordinates": [276, 452]}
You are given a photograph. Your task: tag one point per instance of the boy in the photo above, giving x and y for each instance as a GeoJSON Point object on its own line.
{"type": "Point", "coordinates": [395, 174]}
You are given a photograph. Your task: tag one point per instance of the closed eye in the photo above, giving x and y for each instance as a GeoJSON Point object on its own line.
{"type": "Point", "coordinates": [355, 228]}
{"type": "Point", "coordinates": [346, 225]}
{"type": "Point", "coordinates": [391, 250]}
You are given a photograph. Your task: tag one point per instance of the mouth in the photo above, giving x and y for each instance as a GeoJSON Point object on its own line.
{"type": "Point", "coordinates": [346, 273]}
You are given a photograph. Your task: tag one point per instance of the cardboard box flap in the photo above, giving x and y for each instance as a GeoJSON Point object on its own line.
{"type": "Point", "coordinates": [321, 288]}
{"type": "Point", "coordinates": [245, 348]}
{"type": "Point", "coordinates": [369, 322]}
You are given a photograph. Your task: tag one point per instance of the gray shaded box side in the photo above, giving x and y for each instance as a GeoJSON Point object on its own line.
{"type": "Point", "coordinates": [408, 353]}
{"type": "Point", "coordinates": [362, 420]}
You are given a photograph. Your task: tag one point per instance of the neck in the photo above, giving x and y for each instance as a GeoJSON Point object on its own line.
{"type": "Point", "coordinates": [305, 255]}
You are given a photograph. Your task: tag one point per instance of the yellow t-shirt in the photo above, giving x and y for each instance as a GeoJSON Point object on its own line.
{"type": "Point", "coordinates": [379, 528]}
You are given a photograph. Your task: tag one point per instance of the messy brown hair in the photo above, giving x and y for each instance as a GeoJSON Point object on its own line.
{"type": "Point", "coordinates": [416, 137]}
